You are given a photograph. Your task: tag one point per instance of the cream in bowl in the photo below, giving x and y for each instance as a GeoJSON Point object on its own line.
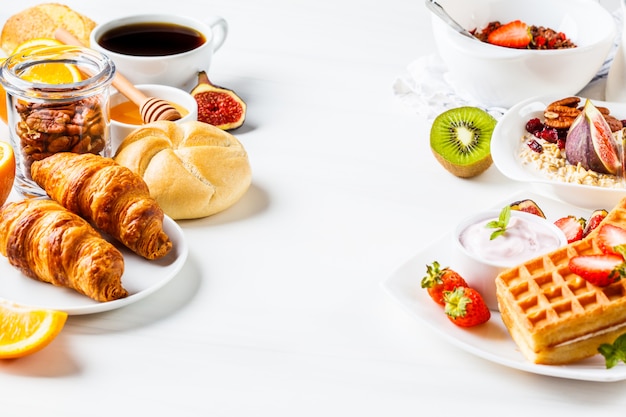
{"type": "Point", "coordinates": [480, 255]}
{"type": "Point", "coordinates": [125, 116]}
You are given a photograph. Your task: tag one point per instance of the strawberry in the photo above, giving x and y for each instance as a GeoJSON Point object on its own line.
{"type": "Point", "coordinates": [594, 221]}
{"type": "Point", "coordinates": [571, 227]}
{"type": "Point", "coordinates": [515, 34]}
{"type": "Point", "coordinates": [465, 307]}
{"type": "Point", "coordinates": [438, 280]}
{"type": "Point", "coordinates": [612, 239]}
{"type": "Point", "coordinates": [600, 270]}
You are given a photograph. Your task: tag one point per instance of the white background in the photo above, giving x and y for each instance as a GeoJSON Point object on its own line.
{"type": "Point", "coordinates": [279, 310]}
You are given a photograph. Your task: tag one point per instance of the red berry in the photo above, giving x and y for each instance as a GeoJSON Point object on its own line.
{"type": "Point", "coordinates": [549, 134]}
{"type": "Point", "coordinates": [600, 270]}
{"type": "Point", "coordinates": [534, 125]}
{"type": "Point", "coordinates": [611, 239]}
{"type": "Point", "coordinates": [535, 146]}
{"type": "Point", "coordinates": [465, 307]}
{"type": "Point", "coordinates": [439, 280]}
{"type": "Point", "coordinates": [572, 227]}
{"type": "Point", "coordinates": [515, 34]}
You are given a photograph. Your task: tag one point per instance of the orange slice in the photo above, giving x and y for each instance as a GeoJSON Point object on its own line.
{"type": "Point", "coordinates": [7, 170]}
{"type": "Point", "coordinates": [25, 330]}
{"type": "Point", "coordinates": [36, 43]}
{"type": "Point", "coordinates": [50, 72]}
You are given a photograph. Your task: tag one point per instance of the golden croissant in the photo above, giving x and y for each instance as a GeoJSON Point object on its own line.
{"type": "Point", "coordinates": [49, 243]}
{"type": "Point", "coordinates": [110, 196]}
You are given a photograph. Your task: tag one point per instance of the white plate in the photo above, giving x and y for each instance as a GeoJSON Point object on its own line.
{"type": "Point", "coordinates": [490, 341]}
{"type": "Point", "coordinates": [505, 148]}
{"type": "Point", "coordinates": [141, 278]}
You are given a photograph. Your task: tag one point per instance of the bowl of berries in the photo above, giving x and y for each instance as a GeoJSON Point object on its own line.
{"type": "Point", "coordinates": [572, 144]}
{"type": "Point", "coordinates": [523, 49]}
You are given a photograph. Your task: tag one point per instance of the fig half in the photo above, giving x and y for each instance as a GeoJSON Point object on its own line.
{"type": "Point", "coordinates": [218, 106]}
{"type": "Point", "coordinates": [591, 143]}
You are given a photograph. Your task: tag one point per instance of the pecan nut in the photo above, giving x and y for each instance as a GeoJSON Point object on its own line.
{"type": "Point", "coordinates": [561, 114]}
{"type": "Point", "coordinates": [48, 128]}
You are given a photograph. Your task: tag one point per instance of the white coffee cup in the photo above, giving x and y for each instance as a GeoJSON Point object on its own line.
{"type": "Point", "coordinates": [173, 69]}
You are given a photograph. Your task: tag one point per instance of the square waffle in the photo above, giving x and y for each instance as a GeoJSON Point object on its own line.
{"type": "Point", "coordinates": [555, 316]}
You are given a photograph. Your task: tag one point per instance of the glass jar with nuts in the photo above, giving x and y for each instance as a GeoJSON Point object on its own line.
{"type": "Point", "coordinates": [58, 101]}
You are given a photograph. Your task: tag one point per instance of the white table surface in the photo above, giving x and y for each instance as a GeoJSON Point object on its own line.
{"type": "Point", "coordinates": [279, 310]}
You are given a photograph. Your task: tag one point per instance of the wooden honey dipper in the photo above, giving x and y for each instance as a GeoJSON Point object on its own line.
{"type": "Point", "coordinates": [151, 108]}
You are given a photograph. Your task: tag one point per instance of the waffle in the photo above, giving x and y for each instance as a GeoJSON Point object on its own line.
{"type": "Point", "coordinates": [555, 316]}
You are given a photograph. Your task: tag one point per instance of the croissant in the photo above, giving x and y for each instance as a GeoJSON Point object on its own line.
{"type": "Point", "coordinates": [110, 196]}
{"type": "Point", "coordinates": [47, 242]}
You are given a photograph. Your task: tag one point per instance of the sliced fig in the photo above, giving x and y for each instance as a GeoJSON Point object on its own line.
{"type": "Point", "coordinates": [218, 106]}
{"type": "Point", "coordinates": [529, 206]}
{"type": "Point", "coordinates": [591, 144]}
{"type": "Point", "coordinates": [594, 221]}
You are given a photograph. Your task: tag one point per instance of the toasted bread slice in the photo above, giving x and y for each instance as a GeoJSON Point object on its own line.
{"type": "Point", "coordinates": [42, 21]}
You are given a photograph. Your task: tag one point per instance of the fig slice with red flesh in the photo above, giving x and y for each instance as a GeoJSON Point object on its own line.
{"type": "Point", "coordinates": [594, 221]}
{"type": "Point", "coordinates": [529, 206]}
{"type": "Point", "coordinates": [591, 143]}
{"type": "Point", "coordinates": [218, 106]}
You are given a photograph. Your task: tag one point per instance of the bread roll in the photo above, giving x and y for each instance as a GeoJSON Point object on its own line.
{"type": "Point", "coordinates": [41, 21]}
{"type": "Point", "coordinates": [192, 169]}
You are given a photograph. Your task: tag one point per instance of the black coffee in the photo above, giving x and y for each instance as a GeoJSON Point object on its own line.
{"type": "Point", "coordinates": [151, 39]}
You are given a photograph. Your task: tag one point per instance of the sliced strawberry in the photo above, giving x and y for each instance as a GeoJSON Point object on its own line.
{"type": "Point", "coordinates": [594, 221]}
{"type": "Point", "coordinates": [438, 280]}
{"type": "Point", "coordinates": [571, 227]}
{"type": "Point", "coordinates": [600, 270]}
{"type": "Point", "coordinates": [611, 239]}
{"type": "Point", "coordinates": [465, 307]}
{"type": "Point", "coordinates": [515, 34]}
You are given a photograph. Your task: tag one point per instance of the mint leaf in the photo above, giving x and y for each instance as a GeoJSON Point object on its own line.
{"type": "Point", "coordinates": [614, 353]}
{"type": "Point", "coordinates": [500, 224]}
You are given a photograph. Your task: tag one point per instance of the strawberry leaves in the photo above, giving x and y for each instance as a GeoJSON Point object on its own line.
{"type": "Point", "coordinates": [465, 307]}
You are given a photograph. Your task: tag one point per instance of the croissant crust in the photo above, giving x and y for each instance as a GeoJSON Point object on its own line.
{"type": "Point", "coordinates": [49, 243]}
{"type": "Point", "coordinates": [110, 196]}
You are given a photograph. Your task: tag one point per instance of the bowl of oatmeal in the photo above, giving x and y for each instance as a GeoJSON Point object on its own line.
{"type": "Point", "coordinates": [515, 155]}
{"type": "Point", "coordinates": [499, 76]}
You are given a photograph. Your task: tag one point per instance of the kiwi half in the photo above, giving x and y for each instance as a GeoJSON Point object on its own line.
{"type": "Point", "coordinates": [460, 139]}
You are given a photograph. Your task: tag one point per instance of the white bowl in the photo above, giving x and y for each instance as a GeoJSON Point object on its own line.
{"type": "Point", "coordinates": [506, 143]}
{"type": "Point", "coordinates": [480, 269]}
{"type": "Point", "coordinates": [498, 76]}
{"type": "Point", "coordinates": [120, 130]}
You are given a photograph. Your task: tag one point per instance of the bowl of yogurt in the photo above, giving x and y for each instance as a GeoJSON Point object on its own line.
{"type": "Point", "coordinates": [479, 258]}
